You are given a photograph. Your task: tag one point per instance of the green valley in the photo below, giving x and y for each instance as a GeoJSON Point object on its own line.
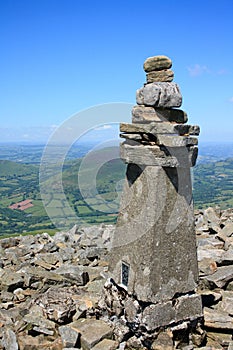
{"type": "Point", "coordinates": [93, 202]}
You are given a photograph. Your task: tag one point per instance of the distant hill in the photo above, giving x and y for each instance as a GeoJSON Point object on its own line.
{"type": "Point", "coordinates": [213, 184]}
{"type": "Point", "coordinates": [9, 168]}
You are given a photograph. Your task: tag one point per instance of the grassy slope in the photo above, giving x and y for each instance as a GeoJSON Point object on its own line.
{"type": "Point", "coordinates": [9, 168]}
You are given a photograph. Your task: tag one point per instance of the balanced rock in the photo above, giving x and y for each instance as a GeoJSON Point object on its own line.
{"type": "Point", "coordinates": [161, 75]}
{"type": "Point", "coordinates": [146, 114]}
{"type": "Point", "coordinates": [159, 94]}
{"type": "Point", "coordinates": [157, 63]}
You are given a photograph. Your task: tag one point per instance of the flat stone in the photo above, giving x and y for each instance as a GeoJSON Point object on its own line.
{"type": "Point", "coordinates": [158, 315]}
{"type": "Point", "coordinates": [27, 342]}
{"type": "Point", "coordinates": [212, 344]}
{"type": "Point", "coordinates": [158, 155]}
{"type": "Point", "coordinates": [147, 114]}
{"type": "Point", "coordinates": [210, 243]}
{"type": "Point", "coordinates": [227, 257]}
{"type": "Point", "coordinates": [207, 266]}
{"type": "Point", "coordinates": [213, 254]}
{"type": "Point", "coordinates": [211, 215]}
{"type": "Point", "coordinates": [69, 336]}
{"type": "Point", "coordinates": [58, 304]}
{"type": "Point", "coordinates": [106, 344]}
{"type": "Point", "coordinates": [222, 276]}
{"type": "Point", "coordinates": [134, 343]}
{"type": "Point", "coordinates": [161, 94]}
{"type": "Point", "coordinates": [146, 155]}
{"type": "Point", "coordinates": [38, 321]}
{"type": "Point", "coordinates": [162, 140]}
{"type": "Point", "coordinates": [163, 342]}
{"type": "Point", "coordinates": [187, 307]}
{"type": "Point", "coordinates": [222, 338]}
{"type": "Point", "coordinates": [166, 75]}
{"type": "Point", "coordinates": [160, 128]}
{"type": "Point", "coordinates": [9, 341]}
{"type": "Point", "coordinates": [216, 319]}
{"type": "Point", "coordinates": [157, 63]}
{"type": "Point", "coordinates": [50, 277]}
{"type": "Point", "coordinates": [47, 260]}
{"type": "Point", "coordinates": [92, 332]}
{"type": "Point", "coordinates": [12, 280]}
{"type": "Point", "coordinates": [226, 304]}
{"type": "Point", "coordinates": [176, 141]}
{"type": "Point", "coordinates": [227, 230]}
{"type": "Point", "coordinates": [75, 273]}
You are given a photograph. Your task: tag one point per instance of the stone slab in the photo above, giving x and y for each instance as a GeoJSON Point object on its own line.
{"type": "Point", "coordinates": [157, 63]}
{"type": "Point", "coordinates": [106, 344]}
{"type": "Point", "coordinates": [69, 336]}
{"type": "Point", "coordinates": [9, 340]}
{"type": "Point", "coordinates": [133, 152]}
{"type": "Point", "coordinates": [217, 320]}
{"type": "Point", "coordinates": [226, 305]}
{"type": "Point", "coordinates": [160, 94]}
{"type": "Point", "coordinates": [166, 75]}
{"type": "Point", "coordinates": [187, 307]}
{"type": "Point", "coordinates": [161, 128]}
{"type": "Point", "coordinates": [222, 276]}
{"type": "Point", "coordinates": [155, 234]}
{"type": "Point", "coordinates": [158, 315]}
{"type": "Point", "coordinates": [92, 331]}
{"type": "Point", "coordinates": [148, 114]}
{"type": "Point", "coordinates": [146, 155]}
{"type": "Point", "coordinates": [162, 140]}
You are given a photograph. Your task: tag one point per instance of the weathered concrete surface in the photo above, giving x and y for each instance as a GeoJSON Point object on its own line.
{"type": "Point", "coordinates": [161, 249]}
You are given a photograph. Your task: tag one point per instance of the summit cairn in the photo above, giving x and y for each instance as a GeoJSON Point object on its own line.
{"type": "Point", "coordinates": [153, 261]}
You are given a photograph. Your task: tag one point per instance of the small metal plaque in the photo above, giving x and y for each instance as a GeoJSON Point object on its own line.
{"type": "Point", "coordinates": [124, 274]}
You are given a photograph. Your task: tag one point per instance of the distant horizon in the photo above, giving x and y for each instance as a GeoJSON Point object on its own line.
{"type": "Point", "coordinates": [64, 57]}
{"type": "Point", "coordinates": [45, 142]}
{"type": "Point", "coordinates": [42, 135]}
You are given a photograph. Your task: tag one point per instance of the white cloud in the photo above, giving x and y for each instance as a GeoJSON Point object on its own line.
{"type": "Point", "coordinates": [197, 70]}
{"type": "Point", "coordinates": [222, 71]}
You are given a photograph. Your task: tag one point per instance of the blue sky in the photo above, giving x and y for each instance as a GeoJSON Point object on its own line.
{"type": "Point", "coordinates": [62, 56]}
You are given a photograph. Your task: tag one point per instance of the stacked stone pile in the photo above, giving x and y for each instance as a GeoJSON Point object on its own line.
{"type": "Point", "coordinates": [156, 220]}
{"type": "Point", "coordinates": [157, 122]}
{"type": "Point", "coordinates": [51, 290]}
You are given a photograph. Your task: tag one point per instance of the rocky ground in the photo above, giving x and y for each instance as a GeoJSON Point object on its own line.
{"type": "Point", "coordinates": [51, 290]}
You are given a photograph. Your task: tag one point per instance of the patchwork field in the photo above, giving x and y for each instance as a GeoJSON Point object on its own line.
{"type": "Point", "coordinates": [94, 202]}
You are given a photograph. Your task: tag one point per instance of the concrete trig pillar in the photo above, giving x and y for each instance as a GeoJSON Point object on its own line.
{"type": "Point", "coordinates": [154, 247]}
